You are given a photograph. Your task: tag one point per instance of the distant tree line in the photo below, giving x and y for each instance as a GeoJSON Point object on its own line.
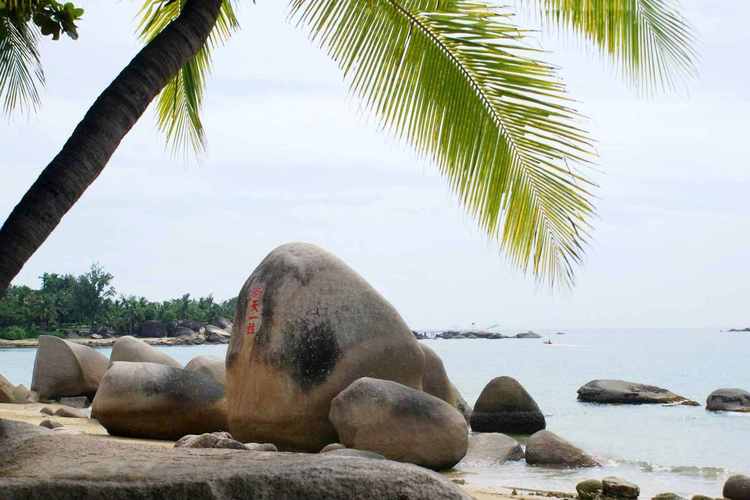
{"type": "Point", "coordinates": [89, 303]}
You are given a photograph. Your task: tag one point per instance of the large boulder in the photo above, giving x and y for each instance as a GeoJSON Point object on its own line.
{"type": "Point", "coordinates": [150, 400]}
{"type": "Point", "coordinates": [737, 488]}
{"type": "Point", "coordinates": [152, 328]}
{"type": "Point", "coordinates": [435, 381]}
{"type": "Point", "coordinates": [546, 448]}
{"type": "Point", "coordinates": [217, 335]}
{"type": "Point", "coordinates": [729, 400]}
{"type": "Point", "coordinates": [590, 489]}
{"type": "Point", "coordinates": [64, 368]}
{"type": "Point", "coordinates": [615, 487]}
{"type": "Point", "coordinates": [505, 406]}
{"type": "Point", "coordinates": [622, 392]}
{"type": "Point", "coordinates": [6, 390]}
{"type": "Point", "coordinates": [209, 365]}
{"type": "Point", "coordinates": [489, 448]}
{"type": "Point", "coordinates": [39, 463]}
{"type": "Point", "coordinates": [400, 423]}
{"type": "Point", "coordinates": [137, 351]}
{"type": "Point", "coordinates": [307, 326]}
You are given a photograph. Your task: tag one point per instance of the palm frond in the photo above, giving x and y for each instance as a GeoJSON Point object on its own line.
{"type": "Point", "coordinates": [455, 79]}
{"type": "Point", "coordinates": [179, 104]}
{"type": "Point", "coordinates": [651, 43]}
{"type": "Point", "coordinates": [21, 74]}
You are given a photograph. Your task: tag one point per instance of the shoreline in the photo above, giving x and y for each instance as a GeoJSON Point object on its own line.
{"type": "Point", "coordinates": [29, 413]}
{"type": "Point", "coordinates": [109, 342]}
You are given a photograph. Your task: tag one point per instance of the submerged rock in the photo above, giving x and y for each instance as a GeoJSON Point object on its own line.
{"type": "Point", "coordinates": [150, 400]}
{"type": "Point", "coordinates": [737, 488]}
{"type": "Point", "coordinates": [42, 464]}
{"type": "Point", "coordinates": [590, 489]}
{"type": "Point", "coordinates": [400, 423]}
{"type": "Point", "coordinates": [546, 448]}
{"type": "Point", "coordinates": [505, 406]}
{"type": "Point", "coordinates": [132, 349]}
{"type": "Point", "coordinates": [307, 326]}
{"type": "Point", "coordinates": [528, 335]}
{"type": "Point", "coordinates": [622, 392]}
{"type": "Point", "coordinates": [63, 368]}
{"type": "Point", "coordinates": [729, 400]}
{"type": "Point", "coordinates": [492, 448]}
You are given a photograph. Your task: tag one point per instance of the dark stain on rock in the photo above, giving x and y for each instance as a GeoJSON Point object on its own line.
{"type": "Point", "coordinates": [310, 350]}
{"type": "Point", "coordinates": [184, 385]}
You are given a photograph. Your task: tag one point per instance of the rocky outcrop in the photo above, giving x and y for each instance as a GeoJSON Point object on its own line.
{"type": "Point", "coordinates": [528, 335]}
{"type": "Point", "coordinates": [590, 489]}
{"type": "Point", "coordinates": [209, 365]}
{"type": "Point", "coordinates": [615, 487]}
{"type": "Point", "coordinates": [491, 449]}
{"type": "Point", "coordinates": [435, 381]}
{"type": "Point", "coordinates": [149, 400]}
{"type": "Point", "coordinates": [64, 368]}
{"type": "Point", "coordinates": [152, 328]}
{"type": "Point", "coordinates": [307, 326]}
{"type": "Point", "coordinates": [505, 406]}
{"type": "Point", "coordinates": [137, 351]}
{"type": "Point", "coordinates": [546, 448]}
{"type": "Point", "coordinates": [737, 488]}
{"type": "Point", "coordinates": [39, 463]}
{"type": "Point", "coordinates": [216, 335]}
{"type": "Point", "coordinates": [729, 400]}
{"type": "Point", "coordinates": [622, 392]}
{"type": "Point", "coordinates": [400, 423]}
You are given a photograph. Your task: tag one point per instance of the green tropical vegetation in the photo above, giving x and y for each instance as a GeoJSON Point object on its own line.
{"type": "Point", "coordinates": [89, 303]}
{"type": "Point", "coordinates": [456, 79]}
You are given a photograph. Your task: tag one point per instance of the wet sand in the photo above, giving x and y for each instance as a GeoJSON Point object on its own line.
{"type": "Point", "coordinates": [30, 413]}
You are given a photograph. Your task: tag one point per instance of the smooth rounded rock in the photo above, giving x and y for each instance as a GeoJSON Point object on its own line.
{"type": "Point", "coordinates": [209, 365]}
{"type": "Point", "coordinates": [737, 488]}
{"type": "Point", "coordinates": [435, 381]}
{"type": "Point", "coordinates": [21, 394]}
{"type": "Point", "coordinates": [137, 351]}
{"type": "Point", "coordinates": [622, 392]}
{"type": "Point", "coordinates": [489, 448]}
{"type": "Point", "coordinates": [38, 463]}
{"type": "Point", "coordinates": [729, 400]}
{"type": "Point", "coordinates": [546, 448]}
{"type": "Point", "coordinates": [332, 446]}
{"type": "Point", "coordinates": [616, 487]}
{"type": "Point", "coordinates": [668, 496]}
{"type": "Point", "coordinates": [589, 489]}
{"type": "Point", "coordinates": [210, 440]}
{"type": "Point", "coordinates": [307, 326]}
{"type": "Point", "coordinates": [150, 400]}
{"type": "Point", "coordinates": [400, 423]}
{"type": "Point", "coordinates": [261, 447]}
{"type": "Point", "coordinates": [6, 390]}
{"type": "Point", "coordinates": [505, 406]}
{"type": "Point", "coordinates": [63, 368]}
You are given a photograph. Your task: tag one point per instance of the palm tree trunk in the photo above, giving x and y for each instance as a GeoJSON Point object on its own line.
{"type": "Point", "coordinates": [97, 136]}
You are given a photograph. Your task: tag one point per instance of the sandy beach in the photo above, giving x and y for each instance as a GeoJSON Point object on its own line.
{"type": "Point", "coordinates": [30, 413]}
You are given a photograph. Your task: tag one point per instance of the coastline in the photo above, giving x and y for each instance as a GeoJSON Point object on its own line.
{"type": "Point", "coordinates": [29, 413]}
{"type": "Point", "coordinates": [109, 342]}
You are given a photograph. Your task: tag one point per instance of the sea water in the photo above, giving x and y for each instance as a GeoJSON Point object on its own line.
{"type": "Point", "coordinates": [681, 449]}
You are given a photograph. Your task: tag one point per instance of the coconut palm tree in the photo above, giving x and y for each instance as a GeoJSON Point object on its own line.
{"type": "Point", "coordinates": [456, 79]}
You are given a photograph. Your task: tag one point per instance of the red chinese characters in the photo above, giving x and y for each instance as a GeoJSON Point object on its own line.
{"type": "Point", "coordinates": [254, 310]}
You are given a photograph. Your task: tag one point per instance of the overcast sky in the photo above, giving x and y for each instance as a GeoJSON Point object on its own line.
{"type": "Point", "coordinates": [293, 158]}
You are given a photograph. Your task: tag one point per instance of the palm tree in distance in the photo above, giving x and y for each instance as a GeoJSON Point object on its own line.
{"type": "Point", "coordinates": [456, 79]}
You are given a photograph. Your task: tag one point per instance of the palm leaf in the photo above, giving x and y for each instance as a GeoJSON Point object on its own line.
{"type": "Point", "coordinates": [455, 79]}
{"type": "Point", "coordinates": [649, 40]}
{"type": "Point", "coordinates": [21, 73]}
{"type": "Point", "coordinates": [179, 104]}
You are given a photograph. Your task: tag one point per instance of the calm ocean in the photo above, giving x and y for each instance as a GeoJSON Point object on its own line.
{"type": "Point", "coordinates": [685, 450]}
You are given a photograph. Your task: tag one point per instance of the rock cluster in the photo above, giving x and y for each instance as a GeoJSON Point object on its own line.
{"type": "Point", "coordinates": [10, 393]}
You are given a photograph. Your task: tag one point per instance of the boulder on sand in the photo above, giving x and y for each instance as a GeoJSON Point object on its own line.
{"type": "Point", "coordinates": [209, 365]}
{"type": "Point", "coordinates": [40, 463]}
{"type": "Point", "coordinates": [64, 368]}
{"type": "Point", "coordinates": [137, 351]}
{"type": "Point", "coordinates": [546, 448]}
{"type": "Point", "coordinates": [400, 423]}
{"type": "Point", "coordinates": [489, 448]}
{"type": "Point", "coordinates": [622, 392]}
{"type": "Point", "coordinates": [729, 400]}
{"type": "Point", "coordinates": [505, 406]}
{"type": "Point", "coordinates": [209, 440]}
{"type": "Point", "coordinates": [435, 381]}
{"type": "Point", "coordinates": [6, 390]}
{"type": "Point", "coordinates": [737, 488]}
{"type": "Point", "coordinates": [307, 326]}
{"type": "Point", "coordinates": [150, 400]}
